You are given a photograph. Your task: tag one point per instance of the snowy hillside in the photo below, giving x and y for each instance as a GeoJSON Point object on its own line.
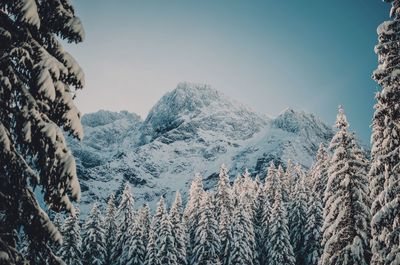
{"type": "Point", "coordinates": [191, 129]}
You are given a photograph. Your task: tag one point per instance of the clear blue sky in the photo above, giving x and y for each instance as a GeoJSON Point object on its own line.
{"type": "Point", "coordinates": [310, 55]}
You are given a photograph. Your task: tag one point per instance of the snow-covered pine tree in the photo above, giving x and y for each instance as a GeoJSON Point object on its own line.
{"type": "Point", "coordinates": [346, 212]}
{"type": "Point", "coordinates": [70, 250]}
{"type": "Point", "coordinates": [93, 243]}
{"type": "Point", "coordinates": [270, 183]}
{"type": "Point", "coordinates": [165, 245]}
{"type": "Point", "coordinates": [151, 251]}
{"type": "Point", "coordinates": [223, 194]}
{"type": "Point", "coordinates": [385, 169]}
{"type": "Point", "coordinates": [248, 193]}
{"type": "Point", "coordinates": [38, 80]}
{"type": "Point", "coordinates": [191, 214]}
{"type": "Point", "coordinates": [319, 173]}
{"type": "Point", "coordinates": [226, 237]}
{"type": "Point", "coordinates": [297, 220]}
{"type": "Point", "coordinates": [125, 218]}
{"type": "Point", "coordinates": [259, 225]}
{"type": "Point", "coordinates": [313, 230]}
{"type": "Point", "coordinates": [178, 230]}
{"type": "Point", "coordinates": [110, 231]}
{"type": "Point", "coordinates": [280, 250]}
{"type": "Point", "coordinates": [243, 245]}
{"type": "Point", "coordinates": [206, 241]}
{"type": "Point", "coordinates": [144, 217]}
{"type": "Point", "coordinates": [134, 251]}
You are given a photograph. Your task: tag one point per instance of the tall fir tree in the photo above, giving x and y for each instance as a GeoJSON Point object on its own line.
{"type": "Point", "coordinates": [110, 231]}
{"type": "Point", "coordinates": [70, 250]}
{"type": "Point", "coordinates": [179, 230]}
{"type": "Point", "coordinates": [165, 244]}
{"type": "Point", "coordinates": [270, 182]}
{"type": "Point", "coordinates": [319, 173]}
{"type": "Point", "coordinates": [243, 245]}
{"type": "Point", "coordinates": [280, 250]}
{"type": "Point", "coordinates": [385, 170]}
{"type": "Point", "coordinates": [346, 212]}
{"type": "Point", "coordinates": [206, 245]}
{"type": "Point", "coordinates": [192, 213]}
{"type": "Point", "coordinates": [93, 244]}
{"type": "Point", "coordinates": [313, 230]}
{"type": "Point", "coordinates": [38, 80]}
{"type": "Point", "coordinates": [125, 217]}
{"type": "Point", "coordinates": [223, 193]}
{"type": "Point", "coordinates": [151, 251]}
{"type": "Point", "coordinates": [260, 225]}
{"type": "Point", "coordinates": [135, 250]}
{"type": "Point", "coordinates": [297, 220]}
{"type": "Point", "coordinates": [144, 219]}
{"type": "Point", "coordinates": [226, 236]}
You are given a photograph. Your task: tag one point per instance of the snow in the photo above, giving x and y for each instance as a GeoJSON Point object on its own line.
{"type": "Point", "coordinates": [30, 13]}
{"type": "Point", "coordinates": [191, 129]}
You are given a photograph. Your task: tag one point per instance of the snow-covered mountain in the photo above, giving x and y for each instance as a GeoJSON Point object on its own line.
{"type": "Point", "coordinates": [192, 129]}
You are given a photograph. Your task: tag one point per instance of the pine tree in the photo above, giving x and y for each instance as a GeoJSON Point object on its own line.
{"type": "Point", "coordinates": [178, 229]}
{"type": "Point", "coordinates": [384, 172]}
{"type": "Point", "coordinates": [134, 251]}
{"type": "Point", "coordinates": [319, 173]}
{"type": "Point", "coordinates": [224, 192]}
{"type": "Point", "coordinates": [191, 214]}
{"type": "Point", "coordinates": [346, 212]}
{"type": "Point", "coordinates": [297, 221]}
{"type": "Point", "coordinates": [165, 245]}
{"type": "Point", "coordinates": [280, 250]}
{"type": "Point", "coordinates": [206, 241]}
{"type": "Point", "coordinates": [313, 230]}
{"type": "Point", "coordinates": [243, 246]}
{"type": "Point", "coordinates": [70, 250]}
{"type": "Point", "coordinates": [226, 236]}
{"type": "Point", "coordinates": [110, 231]}
{"type": "Point", "coordinates": [259, 224]}
{"type": "Point", "coordinates": [38, 80]}
{"type": "Point", "coordinates": [93, 245]}
{"type": "Point", "coordinates": [151, 251]}
{"type": "Point", "coordinates": [125, 220]}
{"type": "Point", "coordinates": [270, 183]}
{"type": "Point", "coordinates": [144, 218]}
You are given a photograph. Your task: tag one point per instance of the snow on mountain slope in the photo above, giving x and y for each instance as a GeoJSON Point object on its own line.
{"type": "Point", "coordinates": [192, 129]}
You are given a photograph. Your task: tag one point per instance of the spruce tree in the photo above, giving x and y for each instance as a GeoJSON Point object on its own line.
{"type": "Point", "coordinates": [93, 244]}
{"type": "Point", "coordinates": [280, 250]}
{"type": "Point", "coordinates": [38, 80]}
{"type": "Point", "coordinates": [346, 212]}
{"type": "Point", "coordinates": [270, 183]}
{"type": "Point", "coordinates": [151, 251]}
{"type": "Point", "coordinates": [385, 170]}
{"type": "Point", "coordinates": [191, 214]}
{"type": "Point", "coordinates": [144, 218]}
{"type": "Point", "coordinates": [259, 225]}
{"type": "Point", "coordinates": [297, 221]}
{"type": "Point", "coordinates": [125, 217]}
{"type": "Point", "coordinates": [313, 230]}
{"type": "Point", "coordinates": [243, 245]}
{"type": "Point", "coordinates": [165, 245]}
{"type": "Point", "coordinates": [226, 236]}
{"type": "Point", "coordinates": [223, 193]}
{"type": "Point", "coordinates": [178, 230]}
{"type": "Point", "coordinates": [70, 250]}
{"type": "Point", "coordinates": [206, 245]}
{"type": "Point", "coordinates": [110, 231]}
{"type": "Point", "coordinates": [319, 173]}
{"type": "Point", "coordinates": [134, 251]}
